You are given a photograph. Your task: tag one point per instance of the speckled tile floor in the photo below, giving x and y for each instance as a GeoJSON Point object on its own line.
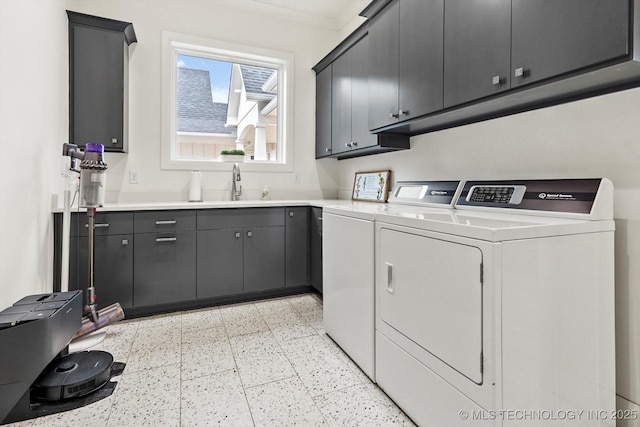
{"type": "Point", "coordinates": [267, 363]}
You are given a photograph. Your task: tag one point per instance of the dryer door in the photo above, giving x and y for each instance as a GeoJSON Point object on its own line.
{"type": "Point", "coordinates": [431, 292]}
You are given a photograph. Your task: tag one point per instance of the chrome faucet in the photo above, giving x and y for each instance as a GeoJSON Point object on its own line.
{"type": "Point", "coordinates": [236, 188]}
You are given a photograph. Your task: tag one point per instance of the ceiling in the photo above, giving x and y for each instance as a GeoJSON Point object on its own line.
{"type": "Point", "coordinates": [333, 14]}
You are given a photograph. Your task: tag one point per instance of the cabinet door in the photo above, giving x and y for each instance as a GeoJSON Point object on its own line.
{"type": "Point", "coordinates": [316, 258]}
{"type": "Point", "coordinates": [555, 37]}
{"type": "Point", "coordinates": [384, 57]}
{"type": "Point", "coordinates": [263, 258]}
{"type": "Point", "coordinates": [323, 112]}
{"type": "Point", "coordinates": [112, 272]}
{"type": "Point", "coordinates": [297, 247]}
{"type": "Point", "coordinates": [341, 104]}
{"type": "Point", "coordinates": [360, 135]}
{"type": "Point", "coordinates": [420, 67]}
{"type": "Point", "coordinates": [164, 268]}
{"type": "Point", "coordinates": [316, 248]}
{"type": "Point", "coordinates": [219, 263]}
{"type": "Point", "coordinates": [97, 104]}
{"type": "Point", "coordinates": [477, 49]}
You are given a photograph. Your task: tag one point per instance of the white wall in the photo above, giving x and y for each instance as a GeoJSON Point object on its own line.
{"type": "Point", "coordinates": [216, 20]}
{"type": "Point", "coordinates": [33, 126]}
{"type": "Point", "coordinates": [597, 137]}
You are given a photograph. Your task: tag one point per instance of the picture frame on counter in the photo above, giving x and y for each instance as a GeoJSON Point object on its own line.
{"type": "Point", "coordinates": [371, 186]}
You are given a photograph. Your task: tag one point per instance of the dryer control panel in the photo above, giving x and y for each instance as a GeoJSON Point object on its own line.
{"type": "Point", "coordinates": [508, 194]}
{"type": "Point", "coordinates": [571, 198]}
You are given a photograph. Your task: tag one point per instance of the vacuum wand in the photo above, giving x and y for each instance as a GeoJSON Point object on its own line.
{"type": "Point", "coordinates": [90, 306]}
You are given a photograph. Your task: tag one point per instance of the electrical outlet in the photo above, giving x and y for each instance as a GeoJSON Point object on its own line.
{"type": "Point", "coordinates": [133, 177]}
{"type": "Point", "coordinates": [296, 177]}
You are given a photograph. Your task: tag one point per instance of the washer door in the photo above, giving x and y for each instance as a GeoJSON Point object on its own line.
{"type": "Point", "coordinates": [431, 292]}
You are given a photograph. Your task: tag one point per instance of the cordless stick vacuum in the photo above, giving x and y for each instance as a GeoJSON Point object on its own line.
{"type": "Point", "coordinates": [93, 175]}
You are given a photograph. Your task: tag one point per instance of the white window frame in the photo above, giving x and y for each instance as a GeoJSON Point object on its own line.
{"type": "Point", "coordinates": [174, 44]}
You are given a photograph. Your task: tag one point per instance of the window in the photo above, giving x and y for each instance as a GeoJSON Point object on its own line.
{"type": "Point", "coordinates": [225, 96]}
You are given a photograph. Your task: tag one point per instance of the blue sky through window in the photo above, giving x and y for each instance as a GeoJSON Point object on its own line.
{"type": "Point", "coordinates": [219, 73]}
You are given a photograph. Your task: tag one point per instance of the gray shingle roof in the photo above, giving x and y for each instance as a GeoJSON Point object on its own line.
{"type": "Point", "coordinates": [196, 110]}
{"type": "Point", "coordinates": [254, 77]}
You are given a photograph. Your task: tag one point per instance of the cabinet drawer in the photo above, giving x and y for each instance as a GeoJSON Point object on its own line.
{"type": "Point", "coordinates": [240, 218]}
{"type": "Point", "coordinates": [106, 223]}
{"type": "Point", "coordinates": [164, 221]}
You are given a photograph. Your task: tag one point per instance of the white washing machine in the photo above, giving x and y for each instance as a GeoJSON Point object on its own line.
{"type": "Point", "coordinates": [349, 263]}
{"type": "Point", "coordinates": [501, 313]}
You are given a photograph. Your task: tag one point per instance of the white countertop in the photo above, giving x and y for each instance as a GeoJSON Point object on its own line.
{"type": "Point", "coordinates": [115, 207]}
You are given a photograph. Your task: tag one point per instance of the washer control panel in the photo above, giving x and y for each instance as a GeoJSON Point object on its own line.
{"type": "Point", "coordinates": [425, 193]}
{"type": "Point", "coordinates": [498, 194]}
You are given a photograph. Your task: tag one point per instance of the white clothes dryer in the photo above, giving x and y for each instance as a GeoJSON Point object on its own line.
{"type": "Point", "coordinates": [501, 312]}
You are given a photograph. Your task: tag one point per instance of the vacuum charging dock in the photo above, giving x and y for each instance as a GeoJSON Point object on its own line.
{"type": "Point", "coordinates": [37, 376]}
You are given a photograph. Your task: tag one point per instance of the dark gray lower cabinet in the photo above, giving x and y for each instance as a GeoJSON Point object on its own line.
{"type": "Point", "coordinates": [240, 250]}
{"type": "Point", "coordinates": [220, 270]}
{"type": "Point", "coordinates": [297, 246]}
{"type": "Point", "coordinates": [263, 258]}
{"type": "Point", "coordinates": [164, 268]}
{"type": "Point", "coordinates": [316, 248]}
{"type": "Point", "coordinates": [113, 268]}
{"type": "Point", "coordinates": [150, 258]}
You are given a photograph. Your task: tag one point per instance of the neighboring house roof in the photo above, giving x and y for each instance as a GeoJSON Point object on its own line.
{"type": "Point", "coordinates": [196, 110]}
{"type": "Point", "coordinates": [254, 78]}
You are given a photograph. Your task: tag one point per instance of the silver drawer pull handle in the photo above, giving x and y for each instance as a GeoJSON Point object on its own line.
{"type": "Point", "coordinates": [290, 214]}
{"type": "Point", "coordinates": [169, 222]}
{"type": "Point", "coordinates": [237, 235]}
{"type": "Point", "coordinates": [166, 239]}
{"type": "Point", "coordinates": [496, 80]}
{"type": "Point", "coordinates": [97, 225]}
{"type": "Point", "coordinates": [249, 234]}
{"type": "Point", "coordinates": [519, 72]}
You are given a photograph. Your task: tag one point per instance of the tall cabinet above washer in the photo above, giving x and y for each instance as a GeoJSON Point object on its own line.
{"type": "Point", "coordinates": [99, 80]}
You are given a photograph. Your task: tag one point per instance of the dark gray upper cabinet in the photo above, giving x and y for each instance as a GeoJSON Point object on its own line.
{"type": "Point", "coordinates": [550, 38]}
{"type": "Point", "coordinates": [406, 60]}
{"type": "Point", "coordinates": [477, 46]}
{"type": "Point", "coordinates": [350, 100]}
{"type": "Point", "coordinates": [346, 119]}
{"type": "Point", "coordinates": [323, 112]}
{"type": "Point", "coordinates": [499, 57]}
{"type": "Point", "coordinates": [360, 70]}
{"type": "Point", "coordinates": [421, 60]}
{"type": "Point", "coordinates": [98, 80]}
{"type": "Point", "coordinates": [341, 103]}
{"type": "Point", "coordinates": [384, 36]}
